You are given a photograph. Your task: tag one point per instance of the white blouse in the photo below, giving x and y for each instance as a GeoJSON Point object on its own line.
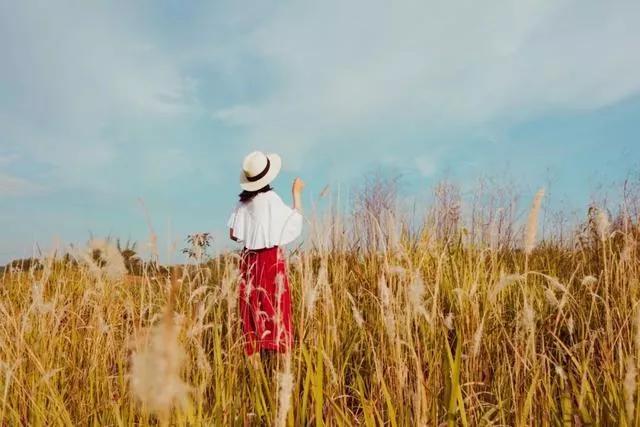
{"type": "Point", "coordinates": [265, 221]}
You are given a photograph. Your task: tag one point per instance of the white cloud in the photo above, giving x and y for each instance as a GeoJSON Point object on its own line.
{"type": "Point", "coordinates": [238, 115]}
{"type": "Point", "coordinates": [6, 159]}
{"type": "Point", "coordinates": [426, 166]}
{"type": "Point", "coordinates": [341, 69]}
{"type": "Point", "coordinates": [74, 61]}
{"type": "Point", "coordinates": [11, 185]}
{"type": "Point", "coordinates": [14, 186]}
{"type": "Point", "coordinates": [358, 65]}
{"type": "Point", "coordinates": [73, 70]}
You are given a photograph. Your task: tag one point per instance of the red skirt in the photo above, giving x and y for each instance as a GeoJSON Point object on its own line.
{"type": "Point", "coordinates": [265, 301]}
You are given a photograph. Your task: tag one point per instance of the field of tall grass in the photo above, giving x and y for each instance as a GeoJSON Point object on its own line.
{"type": "Point", "coordinates": [458, 318]}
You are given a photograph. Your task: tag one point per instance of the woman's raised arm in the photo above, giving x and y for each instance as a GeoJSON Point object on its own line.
{"type": "Point", "coordinates": [296, 191]}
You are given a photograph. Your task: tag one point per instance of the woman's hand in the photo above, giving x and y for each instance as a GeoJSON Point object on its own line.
{"type": "Point", "coordinates": [298, 186]}
{"type": "Point", "coordinates": [296, 190]}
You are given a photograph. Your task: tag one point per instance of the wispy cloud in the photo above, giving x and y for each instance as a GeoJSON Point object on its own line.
{"type": "Point", "coordinates": [6, 159]}
{"type": "Point", "coordinates": [15, 186]}
{"type": "Point", "coordinates": [328, 71]}
{"type": "Point", "coordinates": [370, 64]}
{"type": "Point", "coordinates": [71, 74]}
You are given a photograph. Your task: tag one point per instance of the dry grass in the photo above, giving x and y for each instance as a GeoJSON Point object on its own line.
{"type": "Point", "coordinates": [420, 326]}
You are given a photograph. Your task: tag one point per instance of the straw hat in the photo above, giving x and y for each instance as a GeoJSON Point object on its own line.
{"type": "Point", "coordinates": [258, 170]}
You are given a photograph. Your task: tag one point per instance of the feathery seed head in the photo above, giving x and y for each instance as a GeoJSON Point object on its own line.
{"type": "Point", "coordinates": [448, 321]}
{"type": "Point", "coordinates": [602, 224]}
{"type": "Point", "coordinates": [384, 291]}
{"type": "Point", "coordinates": [155, 370]}
{"type": "Point", "coordinates": [532, 223]}
{"type": "Point", "coordinates": [285, 389]}
{"type": "Point", "coordinates": [629, 387]}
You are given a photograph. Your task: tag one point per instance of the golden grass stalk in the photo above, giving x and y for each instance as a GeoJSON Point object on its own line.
{"type": "Point", "coordinates": [155, 370]}
{"type": "Point", "coordinates": [157, 361]}
{"type": "Point", "coordinates": [496, 349]}
{"type": "Point", "coordinates": [602, 224]}
{"type": "Point", "coordinates": [629, 388]}
{"type": "Point", "coordinates": [531, 229]}
{"type": "Point", "coordinates": [285, 389]}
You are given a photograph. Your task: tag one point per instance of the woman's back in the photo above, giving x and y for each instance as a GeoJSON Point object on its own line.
{"type": "Point", "coordinates": [265, 221]}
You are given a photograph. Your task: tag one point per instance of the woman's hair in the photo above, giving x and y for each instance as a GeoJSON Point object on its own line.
{"type": "Point", "coordinates": [246, 196]}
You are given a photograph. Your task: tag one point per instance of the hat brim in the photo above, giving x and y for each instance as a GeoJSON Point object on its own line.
{"type": "Point", "coordinates": [275, 163]}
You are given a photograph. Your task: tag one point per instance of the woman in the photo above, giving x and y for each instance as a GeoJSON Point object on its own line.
{"type": "Point", "coordinates": [264, 223]}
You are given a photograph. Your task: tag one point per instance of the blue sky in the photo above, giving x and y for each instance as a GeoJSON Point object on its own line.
{"type": "Point", "coordinates": [102, 103]}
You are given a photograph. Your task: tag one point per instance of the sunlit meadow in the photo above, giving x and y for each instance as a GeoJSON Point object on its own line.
{"type": "Point", "coordinates": [462, 315]}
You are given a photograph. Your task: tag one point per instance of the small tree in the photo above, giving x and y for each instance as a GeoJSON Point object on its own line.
{"type": "Point", "coordinates": [199, 243]}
